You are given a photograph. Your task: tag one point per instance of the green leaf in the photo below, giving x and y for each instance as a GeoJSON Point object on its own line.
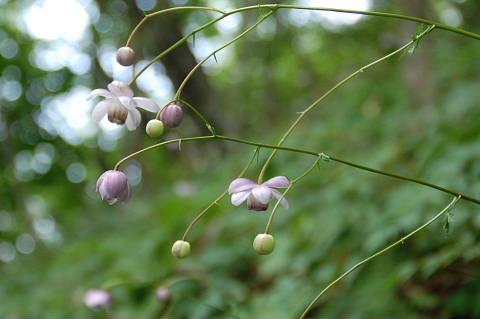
{"type": "Point", "coordinates": [416, 41]}
{"type": "Point", "coordinates": [448, 222]}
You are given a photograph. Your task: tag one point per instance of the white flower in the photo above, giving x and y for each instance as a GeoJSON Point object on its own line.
{"type": "Point", "coordinates": [97, 299]}
{"type": "Point", "coordinates": [120, 106]}
{"type": "Point", "coordinates": [257, 195]}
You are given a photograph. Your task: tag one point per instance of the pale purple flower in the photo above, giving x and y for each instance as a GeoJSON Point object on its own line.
{"type": "Point", "coordinates": [172, 115]}
{"type": "Point", "coordinates": [120, 106]}
{"type": "Point", "coordinates": [97, 299]}
{"type": "Point", "coordinates": [163, 294]}
{"type": "Point", "coordinates": [113, 187]}
{"type": "Point", "coordinates": [257, 195]}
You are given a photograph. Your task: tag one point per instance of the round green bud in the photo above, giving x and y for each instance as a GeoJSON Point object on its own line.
{"type": "Point", "coordinates": [264, 244]}
{"type": "Point", "coordinates": [154, 128]}
{"type": "Point", "coordinates": [181, 249]}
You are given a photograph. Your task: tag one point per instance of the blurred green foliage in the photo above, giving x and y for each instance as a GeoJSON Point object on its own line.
{"type": "Point", "coordinates": [416, 115]}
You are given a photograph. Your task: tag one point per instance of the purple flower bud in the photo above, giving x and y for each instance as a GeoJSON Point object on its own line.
{"type": "Point", "coordinates": [163, 294]}
{"type": "Point", "coordinates": [125, 56]}
{"type": "Point", "coordinates": [97, 299]}
{"type": "Point", "coordinates": [172, 115]}
{"type": "Point", "coordinates": [113, 187]}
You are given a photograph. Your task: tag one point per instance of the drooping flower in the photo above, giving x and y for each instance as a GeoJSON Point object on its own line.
{"type": "Point", "coordinates": [97, 299]}
{"type": "Point", "coordinates": [113, 187]}
{"type": "Point", "coordinates": [120, 106]}
{"type": "Point", "coordinates": [257, 196]}
{"type": "Point", "coordinates": [172, 115]}
{"type": "Point", "coordinates": [163, 294]}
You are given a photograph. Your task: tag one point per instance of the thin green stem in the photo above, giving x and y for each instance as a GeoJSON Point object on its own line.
{"type": "Point", "coordinates": [330, 91]}
{"type": "Point", "coordinates": [281, 6]}
{"type": "Point", "coordinates": [177, 140]}
{"type": "Point", "coordinates": [206, 209]}
{"type": "Point", "coordinates": [293, 182]}
{"type": "Point", "coordinates": [156, 13]}
{"type": "Point", "coordinates": [200, 115]}
{"type": "Point", "coordinates": [199, 64]}
{"type": "Point", "coordinates": [300, 151]}
{"type": "Point", "coordinates": [174, 46]}
{"type": "Point", "coordinates": [378, 253]}
{"type": "Point", "coordinates": [405, 178]}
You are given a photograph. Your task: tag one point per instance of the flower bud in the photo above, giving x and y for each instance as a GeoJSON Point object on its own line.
{"type": "Point", "coordinates": [264, 244]}
{"type": "Point", "coordinates": [125, 56]}
{"type": "Point", "coordinates": [172, 115]}
{"type": "Point", "coordinates": [97, 299]}
{"type": "Point", "coordinates": [163, 294]}
{"type": "Point", "coordinates": [154, 128]}
{"type": "Point", "coordinates": [113, 187]}
{"type": "Point", "coordinates": [181, 249]}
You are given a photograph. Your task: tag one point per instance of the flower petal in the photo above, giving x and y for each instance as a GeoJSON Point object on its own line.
{"type": "Point", "coordinates": [262, 193]}
{"type": "Point", "coordinates": [279, 195]}
{"type": "Point", "coordinates": [127, 102]}
{"type": "Point", "coordinates": [119, 88]}
{"type": "Point", "coordinates": [240, 185]}
{"type": "Point", "coordinates": [278, 182]}
{"type": "Point", "coordinates": [146, 104]}
{"type": "Point", "coordinates": [100, 92]}
{"type": "Point", "coordinates": [100, 110]}
{"type": "Point", "coordinates": [240, 197]}
{"type": "Point", "coordinates": [105, 192]}
{"type": "Point", "coordinates": [100, 180]}
{"type": "Point", "coordinates": [126, 195]}
{"type": "Point", "coordinates": [133, 119]}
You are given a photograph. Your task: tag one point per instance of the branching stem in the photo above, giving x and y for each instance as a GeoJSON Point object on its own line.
{"type": "Point", "coordinates": [300, 151]}
{"type": "Point", "coordinates": [378, 253]}
{"type": "Point", "coordinates": [334, 88]}
{"type": "Point", "coordinates": [276, 7]}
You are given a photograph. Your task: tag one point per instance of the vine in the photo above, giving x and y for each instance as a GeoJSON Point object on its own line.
{"type": "Point", "coordinates": [120, 106]}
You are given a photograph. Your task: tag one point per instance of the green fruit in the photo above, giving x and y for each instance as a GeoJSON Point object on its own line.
{"type": "Point", "coordinates": [264, 244]}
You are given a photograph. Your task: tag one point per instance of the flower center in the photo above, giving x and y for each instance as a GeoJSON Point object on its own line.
{"type": "Point", "coordinates": [117, 114]}
{"type": "Point", "coordinates": [255, 204]}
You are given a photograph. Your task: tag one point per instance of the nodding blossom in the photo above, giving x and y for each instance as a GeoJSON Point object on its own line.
{"type": "Point", "coordinates": [257, 196]}
{"type": "Point", "coordinates": [97, 299]}
{"type": "Point", "coordinates": [120, 105]}
{"type": "Point", "coordinates": [113, 187]}
{"type": "Point", "coordinates": [163, 294]}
